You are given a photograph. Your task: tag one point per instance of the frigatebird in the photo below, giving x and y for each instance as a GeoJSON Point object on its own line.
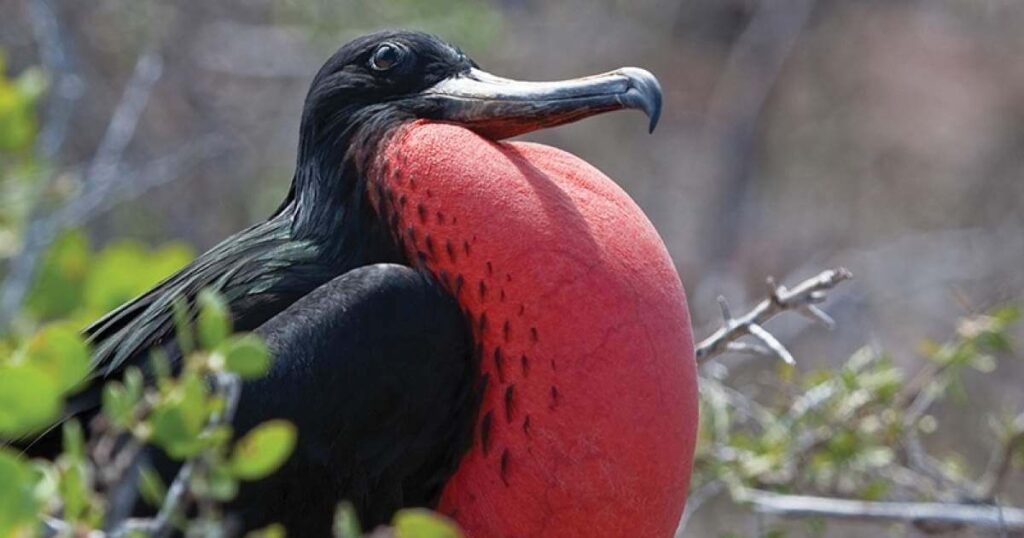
{"type": "Point", "coordinates": [492, 329]}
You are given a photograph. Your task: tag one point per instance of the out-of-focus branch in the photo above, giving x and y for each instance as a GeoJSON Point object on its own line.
{"type": "Point", "coordinates": [999, 466]}
{"type": "Point", "coordinates": [746, 406]}
{"type": "Point", "coordinates": [67, 86]}
{"type": "Point", "coordinates": [100, 177]}
{"type": "Point", "coordinates": [919, 458]}
{"type": "Point", "coordinates": [123, 122]}
{"type": "Point", "coordinates": [52, 526]}
{"type": "Point", "coordinates": [696, 500]}
{"type": "Point", "coordinates": [133, 181]}
{"type": "Point", "coordinates": [755, 61]}
{"type": "Point", "coordinates": [924, 516]}
{"type": "Point", "coordinates": [803, 299]}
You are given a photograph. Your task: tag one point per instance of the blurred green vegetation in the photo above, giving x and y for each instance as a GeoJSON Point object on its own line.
{"type": "Point", "coordinates": [80, 283]}
{"type": "Point", "coordinates": [18, 167]}
{"type": "Point", "coordinates": [18, 96]}
{"type": "Point", "coordinates": [848, 432]}
{"type": "Point", "coordinates": [184, 415]}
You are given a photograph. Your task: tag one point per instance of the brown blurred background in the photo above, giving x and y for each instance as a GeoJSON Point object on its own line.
{"type": "Point", "coordinates": [884, 135]}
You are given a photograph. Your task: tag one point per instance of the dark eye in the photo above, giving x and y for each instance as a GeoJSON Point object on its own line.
{"type": "Point", "coordinates": [386, 56]}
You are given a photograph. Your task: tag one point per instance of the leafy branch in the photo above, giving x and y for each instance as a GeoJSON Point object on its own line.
{"type": "Point", "coordinates": [847, 443]}
{"type": "Point", "coordinates": [92, 486]}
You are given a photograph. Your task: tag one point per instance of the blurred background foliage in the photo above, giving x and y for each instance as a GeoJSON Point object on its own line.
{"type": "Point", "coordinates": [857, 431]}
{"type": "Point", "coordinates": [18, 128]}
{"type": "Point", "coordinates": [884, 135]}
{"type": "Point", "coordinates": [76, 282]}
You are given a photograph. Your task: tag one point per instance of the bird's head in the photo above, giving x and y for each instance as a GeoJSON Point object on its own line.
{"type": "Point", "coordinates": [378, 81]}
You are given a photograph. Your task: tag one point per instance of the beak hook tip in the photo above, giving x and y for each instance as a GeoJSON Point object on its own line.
{"type": "Point", "coordinates": [645, 93]}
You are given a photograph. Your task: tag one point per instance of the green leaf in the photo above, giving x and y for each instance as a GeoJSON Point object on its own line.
{"type": "Point", "coordinates": [116, 405]}
{"type": "Point", "coordinates": [246, 355]}
{"type": "Point", "coordinates": [875, 490]}
{"type": "Point", "coordinates": [18, 504]}
{"type": "Point", "coordinates": [125, 269]}
{"type": "Point", "coordinates": [843, 446]}
{"type": "Point", "coordinates": [57, 288]}
{"type": "Point", "coordinates": [74, 488]}
{"type": "Point", "coordinates": [178, 420]}
{"type": "Point", "coordinates": [151, 486]}
{"type": "Point", "coordinates": [29, 400]}
{"type": "Point", "coordinates": [60, 351]}
{"type": "Point", "coordinates": [182, 322]}
{"type": "Point", "coordinates": [119, 401]}
{"type": "Point", "coordinates": [262, 450]}
{"type": "Point", "coordinates": [223, 486]}
{"type": "Point", "coordinates": [134, 383]}
{"type": "Point", "coordinates": [214, 320]}
{"type": "Point", "coordinates": [32, 82]}
{"type": "Point", "coordinates": [74, 441]}
{"type": "Point", "coordinates": [346, 521]}
{"type": "Point", "coordinates": [420, 523]}
{"type": "Point", "coordinates": [46, 480]}
{"type": "Point", "coordinates": [275, 530]}
{"type": "Point", "coordinates": [18, 126]}
{"type": "Point", "coordinates": [160, 365]}
{"type": "Point", "coordinates": [1006, 315]}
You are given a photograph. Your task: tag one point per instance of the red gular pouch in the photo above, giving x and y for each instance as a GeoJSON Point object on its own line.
{"type": "Point", "coordinates": [589, 417]}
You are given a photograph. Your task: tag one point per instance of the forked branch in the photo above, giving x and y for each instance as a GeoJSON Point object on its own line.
{"type": "Point", "coordinates": [803, 299]}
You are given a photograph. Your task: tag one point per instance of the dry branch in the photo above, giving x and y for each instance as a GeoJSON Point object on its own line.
{"type": "Point", "coordinates": [803, 299]}
{"type": "Point", "coordinates": [922, 515]}
{"type": "Point", "coordinates": [67, 86]}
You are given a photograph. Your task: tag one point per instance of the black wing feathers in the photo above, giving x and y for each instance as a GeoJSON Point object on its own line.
{"type": "Point", "coordinates": [251, 263]}
{"type": "Point", "coordinates": [375, 369]}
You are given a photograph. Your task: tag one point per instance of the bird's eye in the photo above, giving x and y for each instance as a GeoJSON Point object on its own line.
{"type": "Point", "coordinates": [386, 56]}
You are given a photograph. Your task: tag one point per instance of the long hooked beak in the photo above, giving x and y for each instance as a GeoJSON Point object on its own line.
{"type": "Point", "coordinates": [500, 108]}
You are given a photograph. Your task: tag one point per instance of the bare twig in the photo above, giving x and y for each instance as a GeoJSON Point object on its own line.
{"type": "Point", "coordinates": [921, 515]}
{"type": "Point", "coordinates": [801, 298]}
{"type": "Point", "coordinates": [696, 500]}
